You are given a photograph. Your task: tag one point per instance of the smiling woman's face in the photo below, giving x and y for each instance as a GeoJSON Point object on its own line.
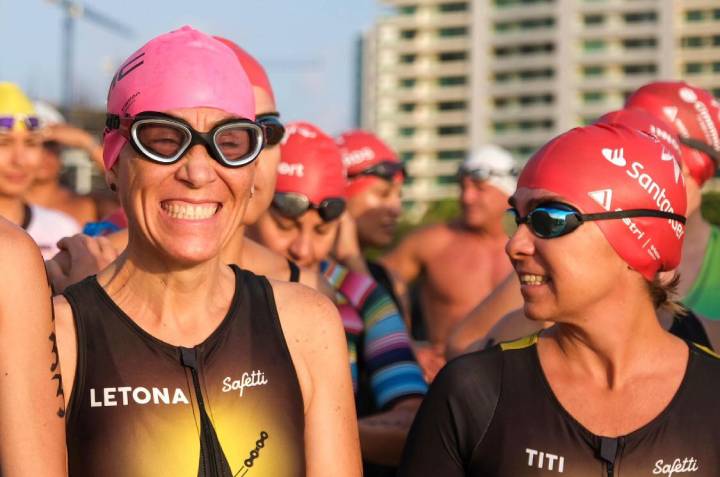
{"type": "Point", "coordinates": [188, 210]}
{"type": "Point", "coordinates": [564, 277]}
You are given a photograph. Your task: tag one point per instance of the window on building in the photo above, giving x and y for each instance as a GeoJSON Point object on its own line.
{"type": "Point", "coordinates": [452, 106]}
{"type": "Point", "coordinates": [445, 180]}
{"type": "Point", "coordinates": [408, 83]}
{"type": "Point", "coordinates": [716, 14]}
{"type": "Point", "coordinates": [529, 100]}
{"type": "Point", "coordinates": [716, 68]}
{"type": "Point", "coordinates": [716, 92]}
{"type": "Point", "coordinates": [501, 126]}
{"type": "Point", "coordinates": [636, 43]}
{"type": "Point", "coordinates": [593, 71]}
{"type": "Point", "coordinates": [640, 17]}
{"type": "Point", "coordinates": [452, 56]}
{"type": "Point", "coordinates": [407, 9]}
{"type": "Point", "coordinates": [534, 23]}
{"type": "Point", "coordinates": [593, 20]}
{"type": "Point", "coordinates": [592, 46]}
{"type": "Point", "coordinates": [716, 40]}
{"type": "Point", "coordinates": [692, 42]}
{"type": "Point", "coordinates": [593, 96]}
{"type": "Point", "coordinates": [453, 7]}
{"type": "Point", "coordinates": [588, 120]}
{"type": "Point", "coordinates": [452, 32]}
{"type": "Point", "coordinates": [408, 58]}
{"type": "Point", "coordinates": [452, 80]}
{"type": "Point", "coordinates": [536, 74]}
{"type": "Point", "coordinates": [536, 48]}
{"type": "Point", "coordinates": [504, 27]}
{"type": "Point", "coordinates": [694, 15]}
{"type": "Point", "coordinates": [451, 130]}
{"type": "Point", "coordinates": [501, 103]}
{"type": "Point", "coordinates": [407, 107]}
{"type": "Point", "coordinates": [503, 51]}
{"type": "Point", "coordinates": [503, 77]}
{"type": "Point", "coordinates": [406, 131]}
{"type": "Point", "coordinates": [406, 156]}
{"type": "Point", "coordinates": [640, 69]}
{"type": "Point", "coordinates": [449, 155]}
{"type": "Point", "coordinates": [693, 68]}
{"type": "Point", "coordinates": [408, 34]}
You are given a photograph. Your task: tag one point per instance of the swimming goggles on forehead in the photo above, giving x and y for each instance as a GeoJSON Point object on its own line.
{"type": "Point", "coordinates": [272, 127]}
{"type": "Point", "coordinates": [555, 219]}
{"type": "Point", "coordinates": [702, 147]}
{"type": "Point", "coordinates": [8, 122]}
{"type": "Point", "coordinates": [165, 139]}
{"type": "Point", "coordinates": [292, 205]}
{"type": "Point", "coordinates": [385, 170]}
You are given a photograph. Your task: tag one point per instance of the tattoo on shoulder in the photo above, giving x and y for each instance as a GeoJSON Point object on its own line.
{"type": "Point", "coordinates": [55, 370]}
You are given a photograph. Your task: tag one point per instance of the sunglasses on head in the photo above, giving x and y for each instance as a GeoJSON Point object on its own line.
{"type": "Point", "coordinates": [385, 170]}
{"type": "Point", "coordinates": [8, 122]}
{"type": "Point", "coordinates": [165, 139]}
{"type": "Point", "coordinates": [702, 147]}
{"type": "Point", "coordinates": [272, 127]}
{"type": "Point", "coordinates": [555, 219]}
{"type": "Point", "coordinates": [292, 205]}
{"type": "Point", "coordinates": [478, 173]}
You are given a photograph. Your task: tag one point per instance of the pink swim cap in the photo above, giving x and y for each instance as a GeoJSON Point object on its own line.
{"type": "Point", "coordinates": [604, 168]}
{"type": "Point", "coordinates": [310, 164]}
{"type": "Point", "coordinates": [360, 151]}
{"type": "Point", "coordinates": [181, 69]}
{"type": "Point", "coordinates": [693, 113]}
{"type": "Point", "coordinates": [256, 73]}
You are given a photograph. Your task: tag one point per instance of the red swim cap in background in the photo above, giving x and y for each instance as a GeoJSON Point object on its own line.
{"type": "Point", "coordinates": [256, 73]}
{"type": "Point", "coordinates": [310, 164]}
{"type": "Point", "coordinates": [360, 151]}
{"type": "Point", "coordinates": [182, 69]}
{"type": "Point", "coordinates": [643, 121]}
{"type": "Point", "coordinates": [693, 113]}
{"type": "Point", "coordinates": [603, 168]}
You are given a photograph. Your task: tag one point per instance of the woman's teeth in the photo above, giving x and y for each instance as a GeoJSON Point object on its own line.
{"type": "Point", "coordinates": [528, 279]}
{"type": "Point", "coordinates": [190, 211]}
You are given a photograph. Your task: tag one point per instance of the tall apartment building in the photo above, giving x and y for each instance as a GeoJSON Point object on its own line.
{"type": "Point", "coordinates": [440, 77]}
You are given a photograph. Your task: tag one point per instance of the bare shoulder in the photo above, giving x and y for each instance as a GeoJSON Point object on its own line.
{"type": "Point", "coordinates": [299, 305]}
{"type": "Point", "coordinates": [16, 246]}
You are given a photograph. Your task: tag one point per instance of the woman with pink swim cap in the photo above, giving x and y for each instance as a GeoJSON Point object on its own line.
{"type": "Point", "coordinates": [599, 212]}
{"type": "Point", "coordinates": [175, 363]}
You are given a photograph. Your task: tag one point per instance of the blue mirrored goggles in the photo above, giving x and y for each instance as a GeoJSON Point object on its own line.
{"type": "Point", "coordinates": [556, 219]}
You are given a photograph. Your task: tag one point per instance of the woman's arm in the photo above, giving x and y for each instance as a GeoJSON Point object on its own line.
{"type": "Point", "coordinates": [32, 424]}
{"type": "Point", "coordinates": [316, 339]}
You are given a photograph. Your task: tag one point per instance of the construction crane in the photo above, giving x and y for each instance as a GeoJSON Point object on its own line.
{"type": "Point", "coordinates": [74, 11]}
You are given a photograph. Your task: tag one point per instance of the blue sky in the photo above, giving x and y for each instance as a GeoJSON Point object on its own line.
{"type": "Point", "coordinates": [307, 46]}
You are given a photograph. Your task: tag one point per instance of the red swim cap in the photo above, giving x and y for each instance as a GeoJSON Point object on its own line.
{"type": "Point", "coordinates": [693, 113]}
{"type": "Point", "coordinates": [360, 151]}
{"type": "Point", "coordinates": [310, 164]}
{"type": "Point", "coordinates": [607, 167]}
{"type": "Point", "coordinates": [256, 73]}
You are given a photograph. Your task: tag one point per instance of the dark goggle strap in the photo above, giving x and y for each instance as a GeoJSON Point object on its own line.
{"type": "Point", "coordinates": [702, 147]}
{"type": "Point", "coordinates": [626, 214]}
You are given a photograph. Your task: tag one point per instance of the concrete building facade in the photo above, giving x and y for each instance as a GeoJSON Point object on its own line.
{"type": "Point", "coordinates": [441, 77]}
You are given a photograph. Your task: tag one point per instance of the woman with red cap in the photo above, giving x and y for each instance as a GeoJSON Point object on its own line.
{"type": "Point", "coordinates": [693, 115]}
{"type": "Point", "coordinates": [177, 363]}
{"type": "Point", "coordinates": [606, 390]}
{"type": "Point", "coordinates": [687, 120]}
{"type": "Point", "coordinates": [302, 223]}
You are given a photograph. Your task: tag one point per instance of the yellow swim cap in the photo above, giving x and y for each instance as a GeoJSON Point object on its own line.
{"type": "Point", "coordinates": [16, 110]}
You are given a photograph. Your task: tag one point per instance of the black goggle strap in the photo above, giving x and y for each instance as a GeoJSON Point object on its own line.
{"type": "Point", "coordinates": [702, 147]}
{"type": "Point", "coordinates": [385, 169]}
{"type": "Point", "coordinates": [626, 214]}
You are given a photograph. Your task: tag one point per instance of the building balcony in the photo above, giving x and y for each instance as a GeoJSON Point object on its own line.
{"type": "Point", "coordinates": [424, 69]}
{"type": "Point", "coordinates": [621, 30]}
{"type": "Point", "coordinates": [523, 12]}
{"type": "Point", "coordinates": [619, 55]}
{"type": "Point", "coordinates": [430, 20]}
{"type": "Point", "coordinates": [515, 138]}
{"type": "Point", "coordinates": [524, 37]}
{"type": "Point", "coordinates": [518, 112]}
{"type": "Point", "coordinates": [432, 44]}
{"type": "Point", "coordinates": [711, 53]}
{"type": "Point", "coordinates": [518, 87]}
{"type": "Point", "coordinates": [617, 6]}
{"type": "Point", "coordinates": [517, 62]}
